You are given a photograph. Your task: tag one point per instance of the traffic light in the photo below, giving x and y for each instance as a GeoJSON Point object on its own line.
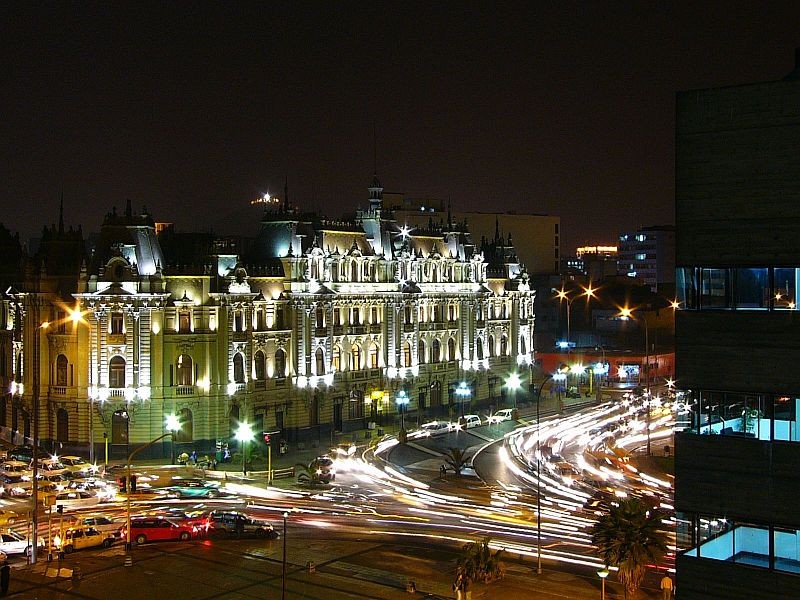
{"type": "Point", "coordinates": [266, 438]}
{"type": "Point", "coordinates": [133, 484]}
{"type": "Point", "coordinates": [122, 487]}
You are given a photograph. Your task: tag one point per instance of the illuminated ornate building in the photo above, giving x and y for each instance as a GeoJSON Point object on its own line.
{"type": "Point", "coordinates": [312, 328]}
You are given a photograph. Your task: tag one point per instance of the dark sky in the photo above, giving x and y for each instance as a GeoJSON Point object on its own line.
{"type": "Point", "coordinates": [193, 109]}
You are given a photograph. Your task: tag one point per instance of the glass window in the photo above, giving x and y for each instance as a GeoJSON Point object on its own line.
{"type": "Point", "coordinates": [784, 424]}
{"type": "Point", "coordinates": [785, 288]}
{"type": "Point", "coordinates": [238, 368]}
{"type": "Point", "coordinates": [751, 288]}
{"type": "Point", "coordinates": [319, 359]}
{"type": "Point", "coordinates": [355, 357]}
{"type": "Point", "coordinates": [116, 372]}
{"type": "Point", "coordinates": [714, 288]}
{"type": "Point", "coordinates": [435, 351]}
{"type": "Point", "coordinates": [61, 370]}
{"type": "Point", "coordinates": [336, 358]}
{"type": "Point", "coordinates": [116, 323]}
{"type": "Point", "coordinates": [184, 370]}
{"type": "Point", "coordinates": [373, 357]}
{"type": "Point", "coordinates": [407, 354]}
{"type": "Point", "coordinates": [787, 550]}
{"type": "Point", "coordinates": [280, 363]}
{"type": "Point", "coordinates": [259, 363]}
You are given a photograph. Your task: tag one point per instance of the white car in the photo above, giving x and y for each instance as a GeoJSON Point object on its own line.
{"type": "Point", "coordinates": [76, 464]}
{"type": "Point", "coordinates": [12, 542]}
{"type": "Point", "coordinates": [436, 427]}
{"type": "Point", "coordinates": [71, 500]}
{"type": "Point", "coordinates": [470, 421]}
{"type": "Point", "coordinates": [101, 523]}
{"type": "Point", "coordinates": [504, 414]}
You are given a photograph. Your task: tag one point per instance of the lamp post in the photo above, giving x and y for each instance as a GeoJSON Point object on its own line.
{"type": "Point", "coordinates": [563, 296]}
{"type": "Point", "coordinates": [128, 489]}
{"type": "Point", "coordinates": [463, 393]}
{"type": "Point", "coordinates": [603, 574]}
{"type": "Point", "coordinates": [627, 313]}
{"type": "Point", "coordinates": [539, 481]}
{"type": "Point", "coordinates": [514, 383]}
{"type": "Point", "coordinates": [172, 424]}
{"type": "Point", "coordinates": [244, 434]}
{"type": "Point", "coordinates": [401, 400]}
{"type": "Point", "coordinates": [283, 568]}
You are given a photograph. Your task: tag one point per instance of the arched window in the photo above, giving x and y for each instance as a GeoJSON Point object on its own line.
{"type": "Point", "coordinates": [280, 363]}
{"type": "Point", "coordinates": [407, 354]}
{"type": "Point", "coordinates": [353, 271]}
{"type": "Point", "coordinates": [522, 346]}
{"type": "Point", "coordinates": [185, 370]}
{"type": "Point", "coordinates": [504, 346]}
{"type": "Point", "coordinates": [479, 349]}
{"type": "Point", "coordinates": [491, 345]}
{"type": "Point", "coordinates": [451, 349]}
{"type": "Point", "coordinates": [336, 359]}
{"type": "Point", "coordinates": [186, 432]}
{"type": "Point", "coordinates": [61, 370]}
{"type": "Point", "coordinates": [355, 357]}
{"type": "Point", "coordinates": [62, 425]}
{"type": "Point", "coordinates": [116, 372]}
{"type": "Point", "coordinates": [373, 356]}
{"type": "Point", "coordinates": [319, 359]}
{"type": "Point", "coordinates": [259, 364]}
{"type": "Point", "coordinates": [436, 351]}
{"type": "Point", "coordinates": [238, 367]}
{"type": "Point", "coordinates": [238, 321]}
{"type": "Point", "coordinates": [320, 314]}
{"type": "Point", "coordinates": [421, 352]}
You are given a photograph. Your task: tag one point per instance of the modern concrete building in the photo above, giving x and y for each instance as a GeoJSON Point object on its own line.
{"type": "Point", "coordinates": [648, 254]}
{"type": "Point", "coordinates": [738, 341]}
{"type": "Point", "coordinates": [314, 328]}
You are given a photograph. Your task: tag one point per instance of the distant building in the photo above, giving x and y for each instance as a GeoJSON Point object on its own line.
{"type": "Point", "coordinates": [737, 353]}
{"type": "Point", "coordinates": [648, 254]}
{"type": "Point", "coordinates": [536, 238]}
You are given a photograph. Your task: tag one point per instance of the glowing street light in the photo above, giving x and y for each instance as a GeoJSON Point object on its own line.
{"type": "Point", "coordinates": [563, 296]}
{"type": "Point", "coordinates": [463, 393]}
{"type": "Point", "coordinates": [514, 382]}
{"type": "Point", "coordinates": [244, 434]}
{"type": "Point", "coordinates": [602, 575]}
{"type": "Point", "coordinates": [402, 401]}
{"type": "Point", "coordinates": [172, 424]}
{"type": "Point", "coordinates": [627, 313]}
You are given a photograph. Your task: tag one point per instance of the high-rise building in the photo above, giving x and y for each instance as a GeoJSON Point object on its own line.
{"type": "Point", "coordinates": [738, 277]}
{"type": "Point", "coordinates": [648, 254]}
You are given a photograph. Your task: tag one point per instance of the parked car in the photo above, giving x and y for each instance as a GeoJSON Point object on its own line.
{"type": "Point", "coordinates": [25, 453]}
{"type": "Point", "coordinates": [49, 466]}
{"type": "Point", "coordinates": [236, 523]}
{"type": "Point", "coordinates": [76, 464]}
{"type": "Point", "coordinates": [326, 469]}
{"type": "Point", "coordinates": [436, 427]}
{"type": "Point", "coordinates": [100, 523]}
{"type": "Point", "coordinates": [73, 499]}
{"type": "Point", "coordinates": [155, 529]}
{"type": "Point", "coordinates": [12, 542]}
{"type": "Point", "coordinates": [16, 467]}
{"type": "Point", "coordinates": [8, 517]}
{"type": "Point", "coordinates": [470, 421]}
{"type": "Point", "coordinates": [504, 414]}
{"type": "Point", "coordinates": [78, 538]}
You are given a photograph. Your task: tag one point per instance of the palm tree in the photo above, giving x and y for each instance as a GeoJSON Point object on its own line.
{"type": "Point", "coordinates": [630, 537]}
{"type": "Point", "coordinates": [457, 459]}
{"type": "Point", "coordinates": [308, 474]}
{"type": "Point", "coordinates": [478, 563]}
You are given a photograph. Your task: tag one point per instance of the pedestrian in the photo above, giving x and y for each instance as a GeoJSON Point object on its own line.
{"type": "Point", "coordinates": [666, 587]}
{"type": "Point", "coordinates": [5, 577]}
{"type": "Point", "coordinates": [193, 457]}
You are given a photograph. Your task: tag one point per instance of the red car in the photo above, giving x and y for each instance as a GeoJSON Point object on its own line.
{"type": "Point", "coordinates": [156, 529]}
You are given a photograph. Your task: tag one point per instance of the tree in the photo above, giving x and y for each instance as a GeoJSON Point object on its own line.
{"type": "Point", "coordinates": [478, 563]}
{"type": "Point", "coordinates": [457, 459]}
{"type": "Point", "coordinates": [630, 537]}
{"type": "Point", "coordinates": [308, 474]}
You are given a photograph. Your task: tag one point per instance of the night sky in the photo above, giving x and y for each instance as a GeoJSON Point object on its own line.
{"type": "Point", "coordinates": [194, 109]}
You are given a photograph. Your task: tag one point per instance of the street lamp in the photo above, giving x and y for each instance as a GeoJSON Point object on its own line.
{"type": "Point", "coordinates": [603, 574]}
{"type": "Point", "coordinates": [513, 382]}
{"type": "Point", "coordinates": [244, 434]}
{"type": "Point", "coordinates": [172, 424]}
{"type": "Point", "coordinates": [563, 296]}
{"type": "Point", "coordinates": [539, 480]}
{"type": "Point", "coordinates": [283, 569]}
{"type": "Point", "coordinates": [627, 313]}
{"type": "Point", "coordinates": [401, 400]}
{"type": "Point", "coordinates": [463, 393]}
